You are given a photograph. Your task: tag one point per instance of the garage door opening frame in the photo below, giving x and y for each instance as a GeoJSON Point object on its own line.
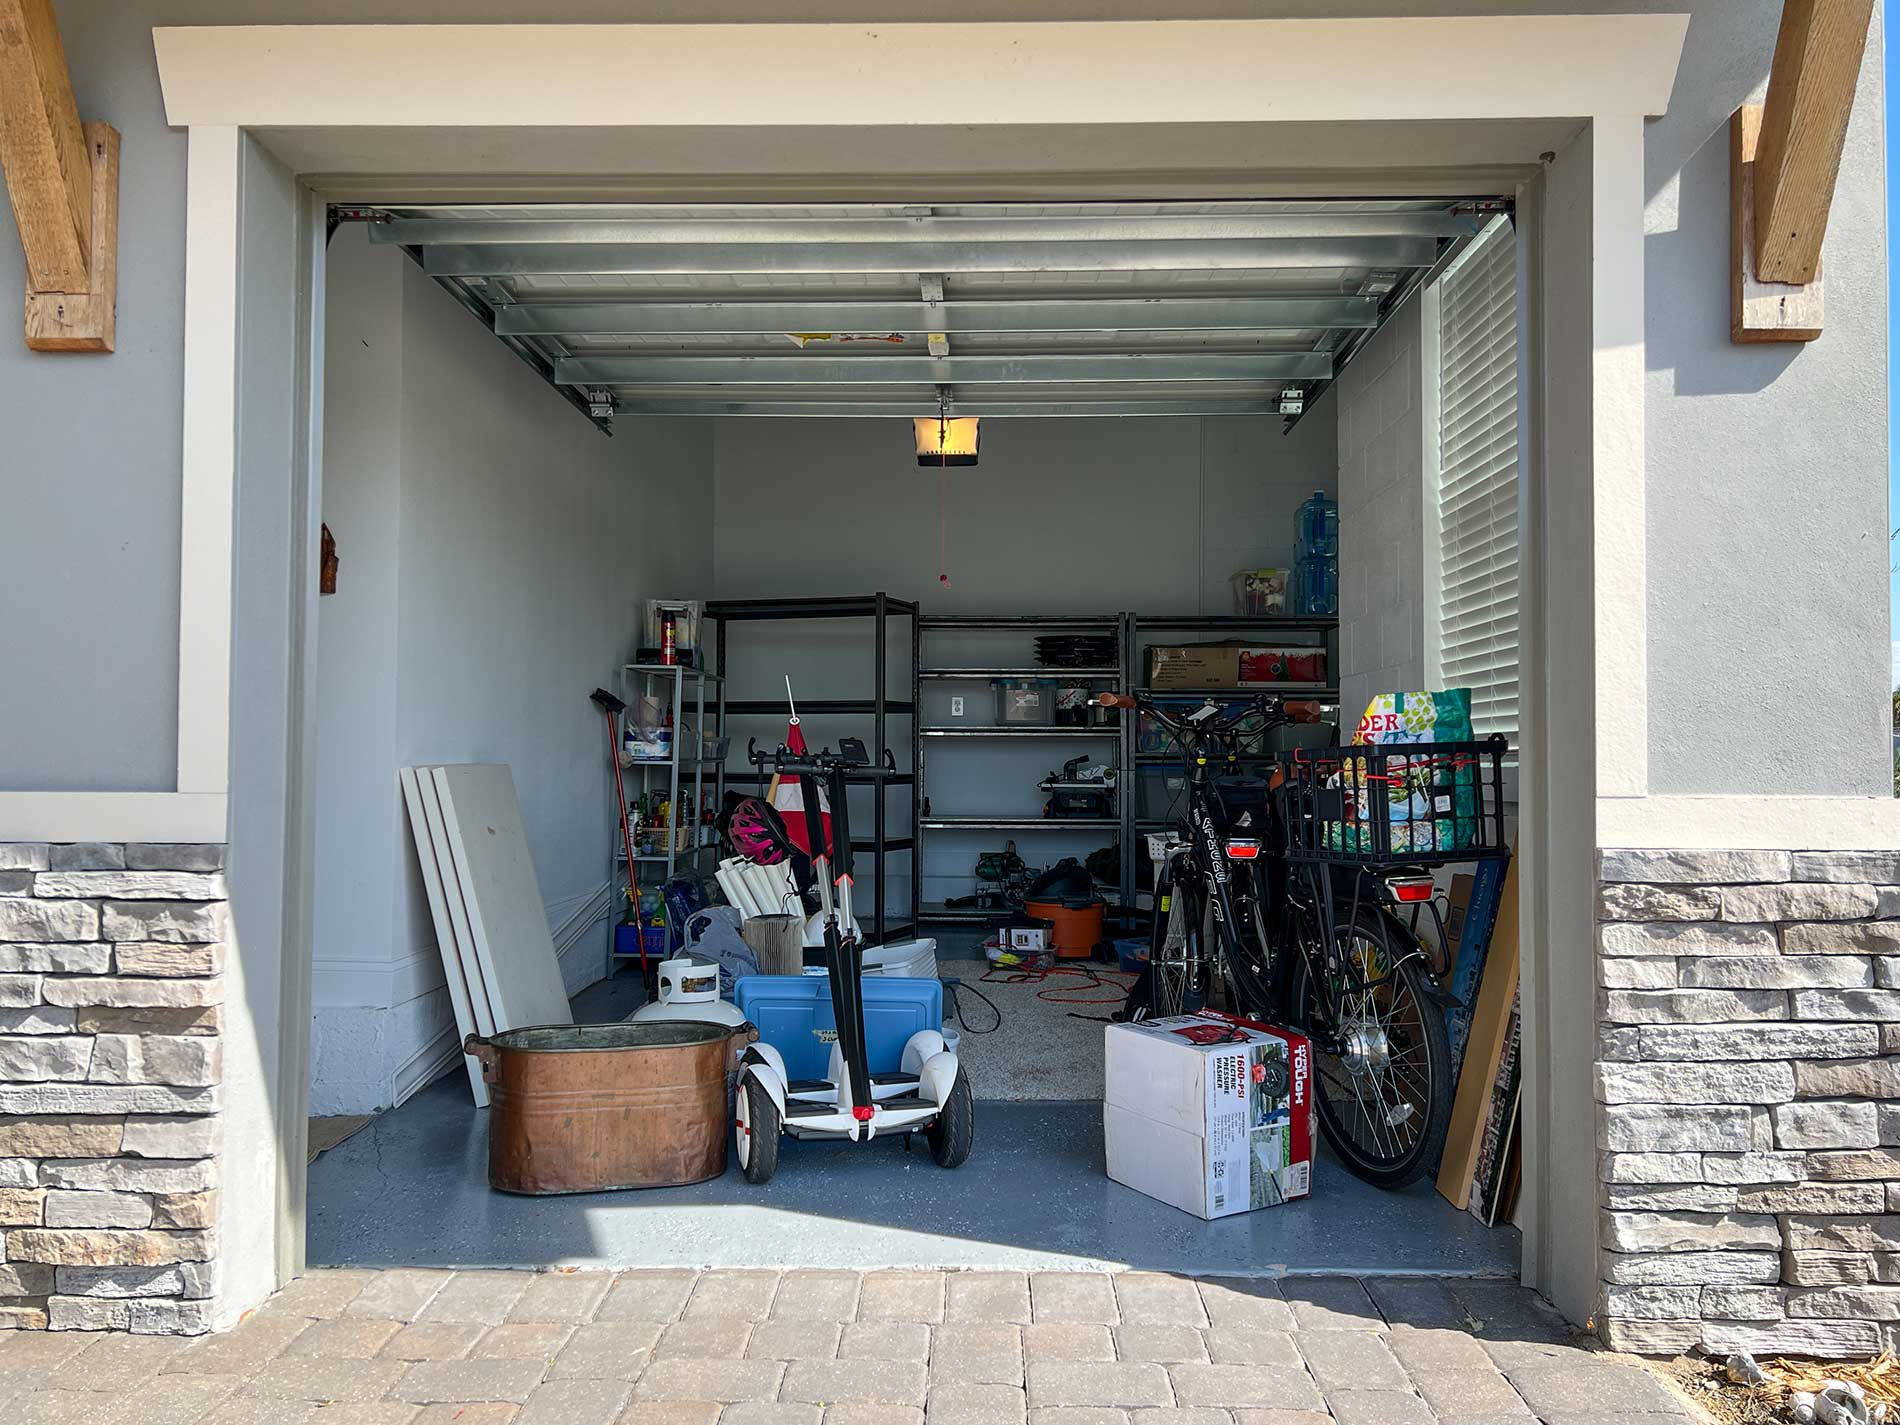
{"type": "Point", "coordinates": [442, 111]}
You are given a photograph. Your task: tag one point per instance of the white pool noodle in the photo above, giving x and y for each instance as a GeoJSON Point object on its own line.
{"type": "Point", "coordinates": [731, 878]}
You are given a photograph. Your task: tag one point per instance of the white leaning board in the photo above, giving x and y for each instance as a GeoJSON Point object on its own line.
{"type": "Point", "coordinates": [458, 965]}
{"type": "Point", "coordinates": [506, 915]}
{"type": "Point", "coordinates": [481, 997]}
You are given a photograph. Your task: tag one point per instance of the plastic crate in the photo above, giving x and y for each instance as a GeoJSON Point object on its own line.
{"type": "Point", "coordinates": [1402, 804]}
{"type": "Point", "coordinates": [794, 1015]}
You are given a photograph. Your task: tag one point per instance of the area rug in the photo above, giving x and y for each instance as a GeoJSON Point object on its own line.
{"type": "Point", "coordinates": [1040, 1051]}
{"type": "Point", "coordinates": [326, 1133]}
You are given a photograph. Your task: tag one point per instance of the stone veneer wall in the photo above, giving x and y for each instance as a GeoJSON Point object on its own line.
{"type": "Point", "coordinates": [1748, 1083]}
{"type": "Point", "coordinates": [111, 1022]}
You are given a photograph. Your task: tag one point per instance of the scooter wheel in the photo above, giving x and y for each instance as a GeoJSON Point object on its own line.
{"type": "Point", "coordinates": [756, 1131]}
{"type": "Point", "coordinates": [954, 1129]}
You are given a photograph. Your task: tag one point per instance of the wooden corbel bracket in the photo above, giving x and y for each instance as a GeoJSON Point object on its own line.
{"type": "Point", "coordinates": [63, 180]}
{"type": "Point", "coordinates": [1784, 156]}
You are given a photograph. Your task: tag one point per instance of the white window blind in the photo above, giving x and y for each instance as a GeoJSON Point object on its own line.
{"type": "Point", "coordinates": [1476, 498]}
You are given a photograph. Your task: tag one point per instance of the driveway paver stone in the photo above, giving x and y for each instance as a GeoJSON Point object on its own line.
{"type": "Point", "coordinates": [675, 1347]}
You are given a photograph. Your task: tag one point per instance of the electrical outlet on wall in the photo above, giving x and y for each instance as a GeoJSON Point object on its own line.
{"type": "Point", "coordinates": [956, 707]}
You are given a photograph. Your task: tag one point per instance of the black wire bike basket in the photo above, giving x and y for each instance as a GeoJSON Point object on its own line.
{"type": "Point", "coordinates": [1400, 804]}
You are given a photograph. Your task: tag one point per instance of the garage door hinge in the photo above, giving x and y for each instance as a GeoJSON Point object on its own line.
{"type": "Point", "coordinates": [339, 215]}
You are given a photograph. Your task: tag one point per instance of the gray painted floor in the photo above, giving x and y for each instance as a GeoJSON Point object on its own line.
{"type": "Point", "coordinates": [411, 1189]}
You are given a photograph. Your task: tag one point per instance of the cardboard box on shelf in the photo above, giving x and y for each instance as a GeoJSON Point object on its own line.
{"type": "Point", "coordinates": [1208, 1112]}
{"type": "Point", "coordinates": [1281, 663]}
{"type": "Point", "coordinates": [1194, 665]}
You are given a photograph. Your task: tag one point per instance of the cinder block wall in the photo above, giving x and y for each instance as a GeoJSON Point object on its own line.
{"type": "Point", "coordinates": [1381, 512]}
{"type": "Point", "coordinates": [111, 1022]}
{"type": "Point", "coordinates": [1748, 1079]}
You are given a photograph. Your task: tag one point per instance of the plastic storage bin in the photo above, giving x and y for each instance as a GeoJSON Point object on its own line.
{"type": "Point", "coordinates": [794, 1015]}
{"type": "Point", "coordinates": [1259, 592]}
{"type": "Point", "coordinates": [1026, 701]}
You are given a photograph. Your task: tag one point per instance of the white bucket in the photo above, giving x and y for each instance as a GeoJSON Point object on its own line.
{"type": "Point", "coordinates": [913, 959]}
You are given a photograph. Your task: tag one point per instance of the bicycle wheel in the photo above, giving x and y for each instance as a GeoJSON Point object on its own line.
{"type": "Point", "coordinates": [1248, 961]}
{"type": "Point", "coordinates": [1177, 971]}
{"type": "Point", "coordinates": [1383, 1070]}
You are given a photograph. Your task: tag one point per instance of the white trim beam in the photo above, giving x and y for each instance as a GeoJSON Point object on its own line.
{"type": "Point", "coordinates": [112, 816]}
{"type": "Point", "coordinates": [597, 232]}
{"type": "Point", "coordinates": [1621, 579]}
{"type": "Point", "coordinates": [1045, 73]}
{"type": "Point", "coordinates": [210, 460]}
{"type": "Point", "coordinates": [1749, 823]}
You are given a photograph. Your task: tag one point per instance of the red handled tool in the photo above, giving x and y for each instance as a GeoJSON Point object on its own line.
{"type": "Point", "coordinates": [613, 707]}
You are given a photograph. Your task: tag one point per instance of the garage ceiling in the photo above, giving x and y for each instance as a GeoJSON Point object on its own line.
{"type": "Point", "coordinates": [850, 309]}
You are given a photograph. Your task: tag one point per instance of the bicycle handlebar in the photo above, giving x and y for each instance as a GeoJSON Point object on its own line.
{"type": "Point", "coordinates": [1281, 708]}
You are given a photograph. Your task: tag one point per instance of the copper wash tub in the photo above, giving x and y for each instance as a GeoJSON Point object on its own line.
{"type": "Point", "coordinates": [589, 1107]}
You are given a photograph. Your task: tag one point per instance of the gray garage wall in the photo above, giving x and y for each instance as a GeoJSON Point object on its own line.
{"type": "Point", "coordinates": [494, 549]}
{"type": "Point", "coordinates": [1767, 467]}
{"type": "Point", "coordinates": [1072, 516]}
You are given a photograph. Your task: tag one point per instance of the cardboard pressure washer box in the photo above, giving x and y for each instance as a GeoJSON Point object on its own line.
{"type": "Point", "coordinates": [1194, 665]}
{"type": "Point", "coordinates": [1233, 665]}
{"type": "Point", "coordinates": [1208, 1112]}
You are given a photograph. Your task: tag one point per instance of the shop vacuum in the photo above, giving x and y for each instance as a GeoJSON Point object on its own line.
{"type": "Point", "coordinates": [1065, 896]}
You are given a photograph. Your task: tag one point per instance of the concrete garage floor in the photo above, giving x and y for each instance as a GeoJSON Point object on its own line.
{"type": "Point", "coordinates": [412, 1190]}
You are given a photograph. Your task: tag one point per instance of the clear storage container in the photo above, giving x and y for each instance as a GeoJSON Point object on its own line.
{"type": "Point", "coordinates": [1025, 701]}
{"type": "Point", "coordinates": [1260, 591]}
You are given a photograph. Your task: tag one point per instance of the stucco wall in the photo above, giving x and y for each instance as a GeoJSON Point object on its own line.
{"type": "Point", "coordinates": [1767, 466]}
{"type": "Point", "coordinates": [1768, 607]}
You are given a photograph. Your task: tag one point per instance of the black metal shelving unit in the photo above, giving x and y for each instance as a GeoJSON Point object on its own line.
{"type": "Point", "coordinates": [1111, 677]}
{"type": "Point", "coordinates": [1134, 633]}
{"type": "Point", "coordinates": [1222, 626]}
{"type": "Point", "coordinates": [880, 707]}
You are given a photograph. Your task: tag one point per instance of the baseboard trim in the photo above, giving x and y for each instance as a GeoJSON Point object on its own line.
{"type": "Point", "coordinates": [577, 973]}
{"type": "Point", "coordinates": [426, 1065]}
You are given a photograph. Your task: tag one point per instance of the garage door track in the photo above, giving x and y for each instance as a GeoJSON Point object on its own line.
{"type": "Point", "coordinates": [679, 1347]}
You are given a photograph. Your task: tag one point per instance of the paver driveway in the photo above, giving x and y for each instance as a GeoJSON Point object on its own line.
{"type": "Point", "coordinates": [415, 1347]}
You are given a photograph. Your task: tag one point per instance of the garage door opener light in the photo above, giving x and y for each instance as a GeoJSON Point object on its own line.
{"type": "Point", "coordinates": [943, 441]}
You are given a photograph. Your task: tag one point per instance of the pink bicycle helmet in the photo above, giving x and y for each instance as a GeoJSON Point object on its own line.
{"type": "Point", "coordinates": [757, 832]}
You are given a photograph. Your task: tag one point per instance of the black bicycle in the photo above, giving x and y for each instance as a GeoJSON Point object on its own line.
{"type": "Point", "coordinates": [1314, 943]}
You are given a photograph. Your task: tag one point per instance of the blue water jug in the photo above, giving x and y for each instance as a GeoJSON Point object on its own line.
{"type": "Point", "coordinates": [1317, 526]}
{"type": "Point", "coordinates": [1316, 585]}
{"type": "Point", "coordinates": [1316, 566]}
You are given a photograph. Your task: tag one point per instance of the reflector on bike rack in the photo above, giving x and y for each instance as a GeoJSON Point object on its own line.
{"type": "Point", "coordinates": [1243, 850]}
{"type": "Point", "coordinates": [1412, 890]}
